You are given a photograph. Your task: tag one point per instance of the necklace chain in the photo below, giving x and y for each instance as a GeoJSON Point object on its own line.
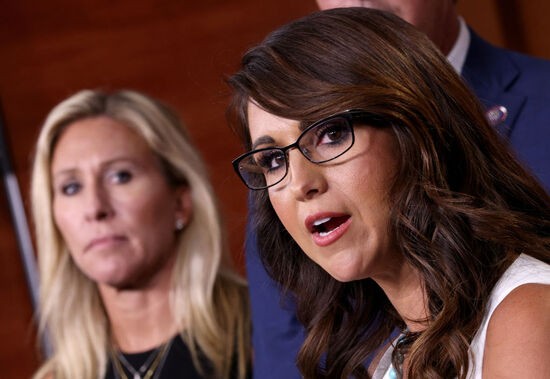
{"type": "Point", "coordinates": [139, 372]}
{"type": "Point", "coordinates": [155, 360]}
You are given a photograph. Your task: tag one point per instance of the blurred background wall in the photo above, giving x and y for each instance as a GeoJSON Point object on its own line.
{"type": "Point", "coordinates": [179, 51]}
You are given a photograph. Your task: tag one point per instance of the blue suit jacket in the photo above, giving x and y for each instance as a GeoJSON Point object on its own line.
{"type": "Point", "coordinates": [521, 84]}
{"type": "Point", "coordinates": [498, 77]}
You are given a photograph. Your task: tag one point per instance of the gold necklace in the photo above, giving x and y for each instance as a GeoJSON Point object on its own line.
{"type": "Point", "coordinates": [137, 375]}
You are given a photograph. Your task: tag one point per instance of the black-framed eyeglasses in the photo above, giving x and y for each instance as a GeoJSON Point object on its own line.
{"type": "Point", "coordinates": [320, 142]}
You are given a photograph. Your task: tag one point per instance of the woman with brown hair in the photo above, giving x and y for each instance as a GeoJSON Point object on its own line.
{"type": "Point", "coordinates": [369, 154]}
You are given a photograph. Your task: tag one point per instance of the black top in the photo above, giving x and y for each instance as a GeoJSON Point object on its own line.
{"type": "Point", "coordinates": [177, 365]}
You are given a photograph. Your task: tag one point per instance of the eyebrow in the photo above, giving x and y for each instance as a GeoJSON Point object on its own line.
{"type": "Point", "coordinates": [267, 139]}
{"type": "Point", "coordinates": [261, 141]}
{"type": "Point", "coordinates": [304, 125]}
{"type": "Point", "coordinates": [72, 170]}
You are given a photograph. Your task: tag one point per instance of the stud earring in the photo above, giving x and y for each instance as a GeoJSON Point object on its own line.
{"type": "Point", "coordinates": [179, 224]}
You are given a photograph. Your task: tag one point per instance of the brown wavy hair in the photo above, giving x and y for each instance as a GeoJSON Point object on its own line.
{"type": "Point", "coordinates": [461, 204]}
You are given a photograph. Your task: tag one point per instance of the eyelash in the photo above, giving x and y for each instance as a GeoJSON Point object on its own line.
{"type": "Point", "coordinates": [266, 160]}
{"type": "Point", "coordinates": [66, 188]}
{"type": "Point", "coordinates": [126, 173]}
{"type": "Point", "coordinates": [118, 176]}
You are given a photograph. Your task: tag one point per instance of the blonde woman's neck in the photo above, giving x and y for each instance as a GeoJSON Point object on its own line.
{"type": "Point", "coordinates": [140, 319]}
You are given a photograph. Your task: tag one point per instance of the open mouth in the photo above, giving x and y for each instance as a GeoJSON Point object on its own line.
{"type": "Point", "coordinates": [327, 225]}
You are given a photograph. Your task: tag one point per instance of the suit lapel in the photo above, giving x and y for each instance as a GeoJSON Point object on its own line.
{"type": "Point", "coordinates": [491, 74]}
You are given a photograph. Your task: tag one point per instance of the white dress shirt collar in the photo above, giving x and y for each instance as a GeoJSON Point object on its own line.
{"type": "Point", "coordinates": [457, 55]}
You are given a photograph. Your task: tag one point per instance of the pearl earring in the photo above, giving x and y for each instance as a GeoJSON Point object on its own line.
{"type": "Point", "coordinates": [179, 224]}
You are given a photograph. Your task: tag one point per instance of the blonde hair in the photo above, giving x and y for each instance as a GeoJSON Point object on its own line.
{"type": "Point", "coordinates": [207, 295]}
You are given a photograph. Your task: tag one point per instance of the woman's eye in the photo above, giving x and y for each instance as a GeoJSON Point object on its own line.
{"type": "Point", "coordinates": [333, 133]}
{"type": "Point", "coordinates": [121, 177]}
{"type": "Point", "coordinates": [70, 189]}
{"type": "Point", "coordinates": [271, 160]}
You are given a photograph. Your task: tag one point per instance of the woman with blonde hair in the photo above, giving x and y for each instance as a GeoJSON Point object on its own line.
{"type": "Point", "coordinates": [136, 280]}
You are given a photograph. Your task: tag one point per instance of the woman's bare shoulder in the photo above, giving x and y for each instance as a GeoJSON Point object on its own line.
{"type": "Point", "coordinates": [518, 335]}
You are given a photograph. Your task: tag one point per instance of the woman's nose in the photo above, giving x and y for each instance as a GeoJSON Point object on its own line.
{"type": "Point", "coordinates": [98, 204]}
{"type": "Point", "coordinates": [305, 179]}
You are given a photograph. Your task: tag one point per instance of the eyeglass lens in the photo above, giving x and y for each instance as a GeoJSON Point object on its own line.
{"type": "Point", "coordinates": [321, 142]}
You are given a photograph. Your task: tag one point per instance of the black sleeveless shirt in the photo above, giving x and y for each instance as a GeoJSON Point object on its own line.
{"type": "Point", "coordinates": [177, 364]}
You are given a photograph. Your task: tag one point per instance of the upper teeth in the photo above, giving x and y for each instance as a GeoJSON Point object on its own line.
{"type": "Point", "coordinates": [321, 221]}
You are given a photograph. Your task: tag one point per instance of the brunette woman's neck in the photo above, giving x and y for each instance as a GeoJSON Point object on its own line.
{"type": "Point", "coordinates": [408, 297]}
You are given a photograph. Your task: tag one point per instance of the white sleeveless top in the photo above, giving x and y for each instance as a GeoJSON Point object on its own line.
{"type": "Point", "coordinates": [524, 270]}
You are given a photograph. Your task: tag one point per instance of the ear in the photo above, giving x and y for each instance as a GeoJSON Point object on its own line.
{"type": "Point", "coordinates": [184, 206]}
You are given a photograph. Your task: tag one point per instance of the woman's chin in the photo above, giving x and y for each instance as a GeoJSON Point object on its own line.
{"type": "Point", "coordinates": [113, 276]}
{"type": "Point", "coordinates": [345, 274]}
{"type": "Point", "coordinates": [344, 267]}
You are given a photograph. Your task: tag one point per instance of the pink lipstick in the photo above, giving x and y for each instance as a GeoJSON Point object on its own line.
{"type": "Point", "coordinates": [327, 228]}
